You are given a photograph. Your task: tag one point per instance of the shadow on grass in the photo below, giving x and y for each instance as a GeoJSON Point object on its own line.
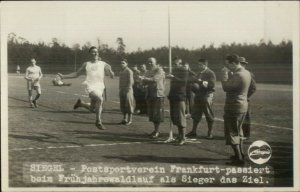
{"type": "Point", "coordinates": [19, 107]}
{"type": "Point", "coordinates": [159, 159]}
{"type": "Point", "coordinates": [72, 111]}
{"type": "Point", "coordinates": [112, 137]}
{"type": "Point", "coordinates": [215, 138]}
{"type": "Point", "coordinates": [45, 138]}
{"type": "Point", "coordinates": [75, 122]}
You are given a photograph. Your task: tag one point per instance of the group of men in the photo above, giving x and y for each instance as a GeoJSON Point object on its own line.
{"type": "Point", "coordinates": [146, 87]}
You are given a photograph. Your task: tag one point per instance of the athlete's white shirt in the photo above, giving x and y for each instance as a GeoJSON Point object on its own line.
{"type": "Point", "coordinates": [95, 77]}
{"type": "Point", "coordinates": [33, 73]}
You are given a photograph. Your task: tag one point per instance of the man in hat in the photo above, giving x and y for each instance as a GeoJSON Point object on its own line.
{"type": "Point", "coordinates": [247, 122]}
{"type": "Point", "coordinates": [236, 86]}
{"type": "Point", "coordinates": [205, 82]}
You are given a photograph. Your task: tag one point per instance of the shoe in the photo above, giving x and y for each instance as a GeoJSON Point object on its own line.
{"type": "Point", "coordinates": [172, 140]}
{"type": "Point", "coordinates": [128, 123]}
{"type": "Point", "coordinates": [35, 104]}
{"type": "Point", "coordinates": [99, 125]}
{"type": "Point", "coordinates": [233, 157]}
{"type": "Point", "coordinates": [210, 137]}
{"type": "Point", "coordinates": [154, 135]}
{"type": "Point", "coordinates": [191, 135]}
{"type": "Point", "coordinates": [77, 104]}
{"type": "Point", "coordinates": [182, 141]}
{"type": "Point", "coordinates": [137, 111]}
{"type": "Point", "coordinates": [176, 140]}
{"type": "Point", "coordinates": [31, 105]}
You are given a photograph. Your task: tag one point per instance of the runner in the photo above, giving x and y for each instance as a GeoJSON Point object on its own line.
{"type": "Point", "coordinates": [18, 70]}
{"type": "Point", "coordinates": [95, 72]}
{"type": "Point", "coordinates": [33, 76]}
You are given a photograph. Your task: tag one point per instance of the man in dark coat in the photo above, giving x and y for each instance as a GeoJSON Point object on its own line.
{"type": "Point", "coordinates": [205, 82]}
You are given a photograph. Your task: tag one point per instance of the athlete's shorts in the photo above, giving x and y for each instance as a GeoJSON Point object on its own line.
{"type": "Point", "coordinates": [96, 89]}
{"type": "Point", "coordinates": [177, 112]}
{"type": "Point", "coordinates": [96, 93]}
{"type": "Point", "coordinates": [155, 108]}
{"type": "Point", "coordinates": [233, 127]}
{"type": "Point", "coordinates": [126, 101]}
{"type": "Point", "coordinates": [34, 86]}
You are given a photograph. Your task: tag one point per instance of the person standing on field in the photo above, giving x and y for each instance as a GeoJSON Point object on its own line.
{"type": "Point", "coordinates": [154, 79]}
{"type": "Point", "coordinates": [136, 85]}
{"type": "Point", "coordinates": [33, 76]}
{"type": "Point", "coordinates": [95, 72]}
{"type": "Point", "coordinates": [236, 86]}
{"type": "Point", "coordinates": [205, 82]}
{"type": "Point", "coordinates": [177, 98]}
{"type": "Point", "coordinates": [139, 90]}
{"type": "Point", "coordinates": [18, 70]}
{"type": "Point", "coordinates": [190, 95]}
{"type": "Point", "coordinates": [126, 92]}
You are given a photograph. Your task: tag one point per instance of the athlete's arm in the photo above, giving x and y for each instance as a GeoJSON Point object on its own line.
{"type": "Point", "coordinates": [74, 74]}
{"type": "Point", "coordinates": [40, 74]}
{"type": "Point", "coordinates": [26, 75]}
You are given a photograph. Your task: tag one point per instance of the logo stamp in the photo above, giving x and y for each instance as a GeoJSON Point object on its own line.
{"type": "Point", "coordinates": [259, 152]}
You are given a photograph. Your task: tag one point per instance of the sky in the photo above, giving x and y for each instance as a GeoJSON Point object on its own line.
{"type": "Point", "coordinates": [144, 24]}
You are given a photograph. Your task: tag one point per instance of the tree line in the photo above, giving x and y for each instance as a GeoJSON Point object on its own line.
{"type": "Point", "coordinates": [270, 63]}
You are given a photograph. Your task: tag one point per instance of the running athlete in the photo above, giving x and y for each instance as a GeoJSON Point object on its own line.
{"type": "Point", "coordinates": [95, 72]}
{"type": "Point", "coordinates": [33, 76]}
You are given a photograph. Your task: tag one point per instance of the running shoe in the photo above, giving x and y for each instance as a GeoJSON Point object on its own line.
{"type": "Point", "coordinates": [35, 104]}
{"type": "Point", "coordinates": [77, 104]}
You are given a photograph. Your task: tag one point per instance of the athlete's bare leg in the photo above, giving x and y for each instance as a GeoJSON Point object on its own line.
{"type": "Point", "coordinates": [98, 110]}
{"type": "Point", "coordinates": [30, 98]}
{"type": "Point", "coordinates": [38, 94]}
{"type": "Point", "coordinates": [30, 95]}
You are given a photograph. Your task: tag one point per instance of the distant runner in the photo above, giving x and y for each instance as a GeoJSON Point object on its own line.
{"type": "Point", "coordinates": [33, 76]}
{"type": "Point", "coordinates": [18, 70]}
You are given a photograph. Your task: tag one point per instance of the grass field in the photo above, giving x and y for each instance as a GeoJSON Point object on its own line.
{"type": "Point", "coordinates": [54, 132]}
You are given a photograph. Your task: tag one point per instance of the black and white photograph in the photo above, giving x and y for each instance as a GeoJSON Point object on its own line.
{"type": "Point", "coordinates": [150, 95]}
